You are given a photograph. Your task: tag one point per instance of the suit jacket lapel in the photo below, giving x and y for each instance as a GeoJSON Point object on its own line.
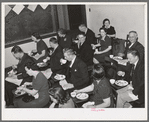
{"type": "Point", "coordinates": [74, 64]}
{"type": "Point", "coordinates": [54, 53]}
{"type": "Point", "coordinates": [134, 45]}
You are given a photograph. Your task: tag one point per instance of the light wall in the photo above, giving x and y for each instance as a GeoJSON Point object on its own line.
{"type": "Point", "coordinates": [123, 17]}
{"type": "Point", "coordinates": [10, 60]}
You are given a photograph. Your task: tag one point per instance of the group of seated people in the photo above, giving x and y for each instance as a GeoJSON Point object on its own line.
{"type": "Point", "coordinates": [72, 56]}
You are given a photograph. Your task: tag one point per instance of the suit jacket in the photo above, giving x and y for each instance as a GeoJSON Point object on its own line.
{"type": "Point", "coordinates": [138, 80]}
{"type": "Point", "coordinates": [55, 64]}
{"type": "Point", "coordinates": [79, 75]}
{"type": "Point", "coordinates": [21, 68]}
{"type": "Point", "coordinates": [65, 42]}
{"type": "Point", "coordinates": [138, 46]}
{"type": "Point", "coordinates": [85, 53]}
{"type": "Point", "coordinates": [90, 37]}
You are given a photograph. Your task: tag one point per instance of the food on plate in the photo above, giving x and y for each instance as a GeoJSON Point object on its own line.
{"type": "Point", "coordinates": [59, 77]}
{"type": "Point", "coordinates": [121, 82]}
{"type": "Point", "coordinates": [19, 92]}
{"type": "Point", "coordinates": [82, 96]}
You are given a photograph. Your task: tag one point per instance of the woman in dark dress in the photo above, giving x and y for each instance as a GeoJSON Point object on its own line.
{"type": "Point", "coordinates": [61, 98]}
{"type": "Point", "coordinates": [39, 91]}
{"type": "Point", "coordinates": [102, 93]}
{"type": "Point", "coordinates": [109, 29]}
{"type": "Point", "coordinates": [105, 47]}
{"type": "Point", "coordinates": [41, 48]}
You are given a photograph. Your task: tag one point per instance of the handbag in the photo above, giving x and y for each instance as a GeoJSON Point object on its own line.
{"type": "Point", "coordinates": [28, 98]}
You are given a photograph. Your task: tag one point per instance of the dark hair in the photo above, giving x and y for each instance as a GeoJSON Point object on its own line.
{"type": "Point", "coordinates": [103, 29]}
{"type": "Point", "coordinates": [134, 52]}
{"type": "Point", "coordinates": [106, 20]}
{"type": "Point", "coordinates": [62, 31]}
{"type": "Point", "coordinates": [53, 40]}
{"type": "Point", "coordinates": [16, 49]}
{"type": "Point", "coordinates": [82, 25]}
{"type": "Point", "coordinates": [31, 65]}
{"type": "Point", "coordinates": [98, 72]}
{"type": "Point", "coordinates": [59, 94]}
{"type": "Point", "coordinates": [69, 51]}
{"type": "Point", "coordinates": [36, 35]}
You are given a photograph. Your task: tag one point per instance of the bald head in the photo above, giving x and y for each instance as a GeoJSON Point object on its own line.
{"type": "Point", "coordinates": [133, 36]}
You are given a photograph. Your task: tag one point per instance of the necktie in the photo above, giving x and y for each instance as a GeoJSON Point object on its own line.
{"type": "Point", "coordinates": [132, 70]}
{"type": "Point", "coordinates": [79, 45]}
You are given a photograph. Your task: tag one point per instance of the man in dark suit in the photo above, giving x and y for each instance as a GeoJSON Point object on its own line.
{"type": "Point", "coordinates": [134, 44]}
{"type": "Point", "coordinates": [90, 35]}
{"type": "Point", "coordinates": [20, 77]}
{"type": "Point", "coordinates": [64, 39]}
{"type": "Point", "coordinates": [77, 74]}
{"type": "Point", "coordinates": [131, 44]}
{"type": "Point", "coordinates": [84, 50]}
{"type": "Point", "coordinates": [56, 56]}
{"type": "Point", "coordinates": [135, 90]}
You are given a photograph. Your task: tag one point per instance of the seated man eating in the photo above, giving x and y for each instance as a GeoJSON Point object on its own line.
{"type": "Point", "coordinates": [77, 74]}
{"type": "Point", "coordinates": [18, 77]}
{"type": "Point", "coordinates": [135, 90]}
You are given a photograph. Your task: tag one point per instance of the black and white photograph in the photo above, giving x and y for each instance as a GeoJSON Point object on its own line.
{"type": "Point", "coordinates": [74, 61]}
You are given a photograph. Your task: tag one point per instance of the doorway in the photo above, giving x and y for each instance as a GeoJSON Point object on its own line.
{"type": "Point", "coordinates": [76, 15]}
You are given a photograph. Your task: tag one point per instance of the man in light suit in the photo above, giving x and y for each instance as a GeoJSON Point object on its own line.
{"type": "Point", "coordinates": [77, 75]}
{"type": "Point", "coordinates": [135, 90]}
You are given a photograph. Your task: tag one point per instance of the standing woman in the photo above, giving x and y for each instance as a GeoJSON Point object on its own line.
{"type": "Point", "coordinates": [109, 29]}
{"type": "Point", "coordinates": [41, 47]}
{"type": "Point", "coordinates": [39, 91]}
{"type": "Point", "coordinates": [105, 43]}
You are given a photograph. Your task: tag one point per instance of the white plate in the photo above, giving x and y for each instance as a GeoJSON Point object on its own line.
{"type": "Point", "coordinates": [121, 83]}
{"type": "Point", "coordinates": [82, 96]}
{"type": "Point", "coordinates": [59, 77]}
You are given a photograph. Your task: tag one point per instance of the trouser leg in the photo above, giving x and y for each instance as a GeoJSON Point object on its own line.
{"type": "Point", "coordinates": [8, 92]}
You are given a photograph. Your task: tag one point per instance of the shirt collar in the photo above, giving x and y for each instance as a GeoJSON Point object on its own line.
{"type": "Point", "coordinates": [72, 62]}
{"type": "Point", "coordinates": [86, 31]}
{"type": "Point", "coordinates": [135, 64]}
